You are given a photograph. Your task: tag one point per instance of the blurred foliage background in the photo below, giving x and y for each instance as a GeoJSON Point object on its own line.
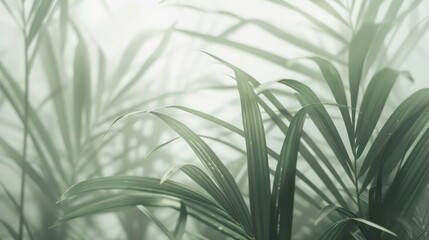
{"type": "Point", "coordinates": [70, 68]}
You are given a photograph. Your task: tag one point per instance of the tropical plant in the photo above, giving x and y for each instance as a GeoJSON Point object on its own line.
{"type": "Point", "coordinates": [63, 127]}
{"type": "Point", "coordinates": [271, 209]}
{"type": "Point", "coordinates": [357, 170]}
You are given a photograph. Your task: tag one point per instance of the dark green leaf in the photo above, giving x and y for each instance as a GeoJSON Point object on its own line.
{"type": "Point", "coordinates": [332, 77]}
{"type": "Point", "coordinates": [372, 105]}
{"type": "Point", "coordinates": [283, 196]}
{"type": "Point", "coordinates": [257, 157]}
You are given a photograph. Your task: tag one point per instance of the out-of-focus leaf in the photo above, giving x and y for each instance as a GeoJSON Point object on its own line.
{"type": "Point", "coordinates": [370, 13]}
{"type": "Point", "coordinates": [16, 205]}
{"type": "Point", "coordinates": [101, 81]}
{"type": "Point", "coordinates": [39, 16]}
{"type": "Point", "coordinates": [10, 88]}
{"type": "Point", "coordinates": [154, 219]}
{"type": "Point", "coordinates": [11, 13]}
{"type": "Point", "coordinates": [10, 229]}
{"type": "Point", "coordinates": [316, 21]}
{"type": "Point", "coordinates": [55, 74]}
{"type": "Point", "coordinates": [359, 47]}
{"type": "Point", "coordinates": [180, 227]}
{"type": "Point", "coordinates": [48, 189]}
{"type": "Point", "coordinates": [271, 57]}
{"type": "Point", "coordinates": [331, 10]}
{"type": "Point", "coordinates": [129, 54]}
{"type": "Point", "coordinates": [269, 28]}
{"type": "Point", "coordinates": [64, 19]}
{"type": "Point", "coordinates": [152, 59]}
{"type": "Point", "coordinates": [81, 89]}
{"type": "Point", "coordinates": [409, 43]}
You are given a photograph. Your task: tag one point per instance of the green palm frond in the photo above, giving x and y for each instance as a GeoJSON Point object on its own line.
{"type": "Point", "coordinates": [327, 152]}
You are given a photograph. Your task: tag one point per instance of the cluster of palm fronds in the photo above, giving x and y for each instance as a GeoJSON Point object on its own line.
{"type": "Point", "coordinates": [64, 116]}
{"type": "Point", "coordinates": [350, 166]}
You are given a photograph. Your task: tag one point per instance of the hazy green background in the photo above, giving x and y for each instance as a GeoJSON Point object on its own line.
{"type": "Point", "coordinates": [179, 69]}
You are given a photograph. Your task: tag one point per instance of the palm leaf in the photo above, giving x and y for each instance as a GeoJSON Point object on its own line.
{"type": "Point", "coordinates": [400, 130]}
{"type": "Point", "coordinates": [199, 204]}
{"type": "Point", "coordinates": [220, 173]}
{"type": "Point", "coordinates": [257, 158]}
{"type": "Point", "coordinates": [372, 105]}
{"type": "Point", "coordinates": [284, 180]}
{"type": "Point", "coordinates": [359, 47]}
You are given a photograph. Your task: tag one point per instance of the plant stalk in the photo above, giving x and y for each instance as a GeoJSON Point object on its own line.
{"type": "Point", "coordinates": [356, 182]}
{"type": "Point", "coordinates": [25, 123]}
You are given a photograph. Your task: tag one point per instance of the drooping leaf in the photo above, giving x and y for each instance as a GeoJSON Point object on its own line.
{"type": "Point", "coordinates": [202, 179]}
{"type": "Point", "coordinates": [311, 159]}
{"type": "Point", "coordinates": [257, 156]}
{"type": "Point", "coordinates": [214, 165]}
{"type": "Point", "coordinates": [199, 205]}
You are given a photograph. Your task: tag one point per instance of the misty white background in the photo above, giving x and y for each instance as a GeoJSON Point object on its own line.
{"type": "Point", "coordinates": [112, 24]}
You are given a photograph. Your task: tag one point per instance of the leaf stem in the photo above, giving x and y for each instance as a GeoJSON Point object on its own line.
{"type": "Point", "coordinates": [25, 123]}
{"type": "Point", "coordinates": [356, 182]}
